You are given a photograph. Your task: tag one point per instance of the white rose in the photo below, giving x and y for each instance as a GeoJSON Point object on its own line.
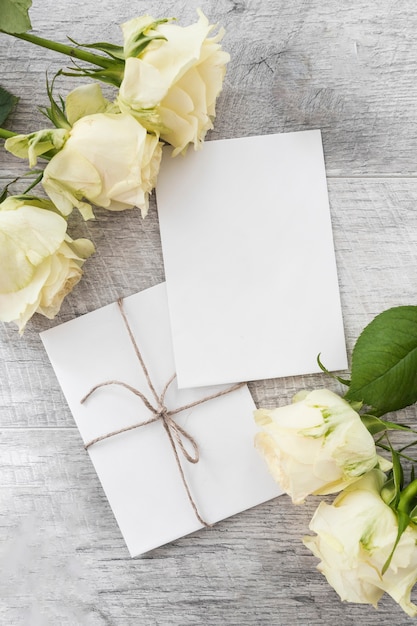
{"type": "Point", "coordinates": [173, 84]}
{"type": "Point", "coordinates": [355, 536]}
{"type": "Point", "coordinates": [40, 263]}
{"type": "Point", "coordinates": [317, 445]}
{"type": "Point", "coordinates": [110, 160]}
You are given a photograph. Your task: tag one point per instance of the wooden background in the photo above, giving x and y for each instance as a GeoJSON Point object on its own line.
{"type": "Point", "coordinates": [348, 68]}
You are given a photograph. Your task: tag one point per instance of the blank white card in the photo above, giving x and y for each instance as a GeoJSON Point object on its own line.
{"type": "Point", "coordinates": [249, 260]}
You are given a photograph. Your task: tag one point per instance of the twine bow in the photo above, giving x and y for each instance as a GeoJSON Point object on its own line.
{"type": "Point", "coordinates": [176, 434]}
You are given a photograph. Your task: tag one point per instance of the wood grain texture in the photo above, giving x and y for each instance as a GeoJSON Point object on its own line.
{"type": "Point", "coordinates": [348, 69]}
{"type": "Point", "coordinates": [64, 561]}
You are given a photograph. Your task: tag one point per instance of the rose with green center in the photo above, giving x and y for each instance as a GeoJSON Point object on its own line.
{"type": "Point", "coordinates": [354, 539]}
{"type": "Point", "coordinates": [317, 445]}
{"type": "Point", "coordinates": [172, 85]}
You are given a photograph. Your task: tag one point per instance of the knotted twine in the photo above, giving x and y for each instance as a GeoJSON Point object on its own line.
{"type": "Point", "coordinates": [176, 434]}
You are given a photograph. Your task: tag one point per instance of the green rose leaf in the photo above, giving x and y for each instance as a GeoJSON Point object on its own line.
{"type": "Point", "coordinates": [384, 362]}
{"type": "Point", "coordinates": [14, 17]}
{"type": "Point", "coordinates": [7, 103]}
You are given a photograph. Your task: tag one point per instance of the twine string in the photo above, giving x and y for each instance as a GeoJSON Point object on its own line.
{"type": "Point", "coordinates": [177, 435]}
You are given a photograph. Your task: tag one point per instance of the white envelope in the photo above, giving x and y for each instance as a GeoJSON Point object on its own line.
{"type": "Point", "coordinates": [137, 469]}
{"type": "Point", "coordinates": [249, 260]}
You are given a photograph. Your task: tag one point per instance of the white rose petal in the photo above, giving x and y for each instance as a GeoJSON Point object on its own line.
{"type": "Point", "coordinates": [27, 236]}
{"type": "Point", "coordinates": [174, 83]}
{"type": "Point", "coordinates": [85, 100]}
{"type": "Point", "coordinates": [317, 445]}
{"type": "Point", "coordinates": [354, 538]}
{"type": "Point", "coordinates": [40, 262]}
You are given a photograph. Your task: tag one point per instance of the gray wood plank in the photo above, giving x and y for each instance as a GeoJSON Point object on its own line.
{"type": "Point", "coordinates": [348, 69]}
{"type": "Point", "coordinates": [64, 561]}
